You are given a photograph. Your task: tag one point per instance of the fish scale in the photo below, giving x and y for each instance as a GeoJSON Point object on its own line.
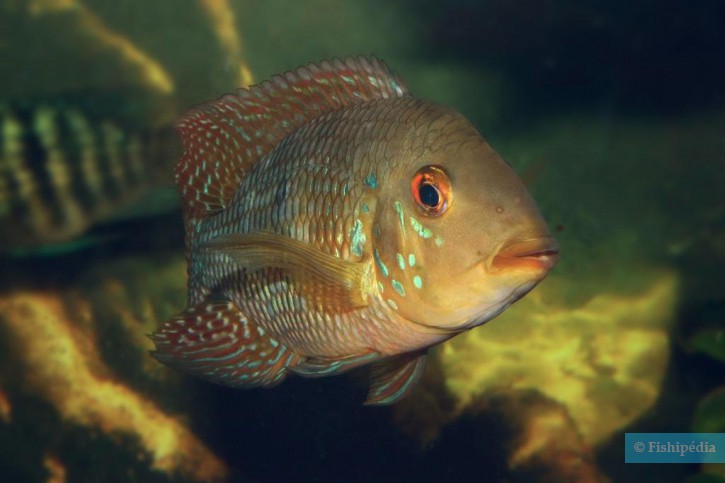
{"type": "Point", "coordinates": [305, 228]}
{"type": "Point", "coordinates": [305, 329]}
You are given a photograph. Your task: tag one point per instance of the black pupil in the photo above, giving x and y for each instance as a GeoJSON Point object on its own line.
{"type": "Point", "coordinates": [429, 195]}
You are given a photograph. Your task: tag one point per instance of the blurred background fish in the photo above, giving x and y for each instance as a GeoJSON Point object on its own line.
{"type": "Point", "coordinates": [80, 150]}
{"type": "Point", "coordinates": [61, 171]}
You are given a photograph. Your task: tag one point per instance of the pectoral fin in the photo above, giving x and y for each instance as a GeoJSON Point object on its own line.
{"type": "Point", "coordinates": [393, 378]}
{"type": "Point", "coordinates": [325, 279]}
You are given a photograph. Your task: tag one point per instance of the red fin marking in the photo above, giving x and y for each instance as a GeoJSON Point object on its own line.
{"type": "Point", "coordinates": [218, 343]}
{"type": "Point", "coordinates": [224, 138]}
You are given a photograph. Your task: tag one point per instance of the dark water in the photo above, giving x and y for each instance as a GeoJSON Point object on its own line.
{"type": "Point", "coordinates": [613, 114]}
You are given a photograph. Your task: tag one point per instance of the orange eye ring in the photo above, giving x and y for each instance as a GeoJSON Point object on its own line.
{"type": "Point", "coordinates": [431, 190]}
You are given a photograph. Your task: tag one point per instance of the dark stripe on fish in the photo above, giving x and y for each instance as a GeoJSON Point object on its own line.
{"type": "Point", "coordinates": [87, 141]}
{"type": "Point", "coordinates": [110, 187]}
{"type": "Point", "coordinates": [71, 145]}
{"type": "Point", "coordinates": [36, 161]}
{"type": "Point", "coordinates": [134, 160]}
{"type": "Point", "coordinates": [59, 172]}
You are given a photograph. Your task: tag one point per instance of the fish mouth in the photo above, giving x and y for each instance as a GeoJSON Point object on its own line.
{"type": "Point", "coordinates": [538, 254]}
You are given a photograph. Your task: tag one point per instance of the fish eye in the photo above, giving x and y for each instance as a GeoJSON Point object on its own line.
{"type": "Point", "coordinates": [431, 190]}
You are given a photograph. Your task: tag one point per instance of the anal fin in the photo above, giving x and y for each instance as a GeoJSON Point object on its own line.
{"type": "Point", "coordinates": [217, 342]}
{"type": "Point", "coordinates": [393, 378]}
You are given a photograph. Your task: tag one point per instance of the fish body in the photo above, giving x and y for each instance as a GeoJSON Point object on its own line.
{"type": "Point", "coordinates": [62, 170]}
{"type": "Point", "coordinates": [335, 221]}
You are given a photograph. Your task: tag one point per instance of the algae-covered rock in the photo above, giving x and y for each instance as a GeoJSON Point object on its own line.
{"type": "Point", "coordinates": [56, 48]}
{"type": "Point", "coordinates": [604, 361]}
{"type": "Point", "coordinates": [514, 435]}
{"type": "Point", "coordinates": [134, 50]}
{"type": "Point", "coordinates": [79, 349]}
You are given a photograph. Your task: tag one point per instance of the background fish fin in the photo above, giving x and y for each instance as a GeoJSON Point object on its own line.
{"type": "Point", "coordinates": [222, 139]}
{"type": "Point", "coordinates": [393, 378]}
{"type": "Point", "coordinates": [324, 279]}
{"type": "Point", "coordinates": [321, 367]}
{"type": "Point", "coordinates": [217, 342]}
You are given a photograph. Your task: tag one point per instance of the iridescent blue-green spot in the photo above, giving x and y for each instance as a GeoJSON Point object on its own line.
{"type": "Point", "coordinates": [418, 282]}
{"type": "Point", "coordinates": [411, 260]}
{"type": "Point", "coordinates": [399, 210]}
{"type": "Point", "coordinates": [420, 229]}
{"type": "Point", "coordinates": [365, 208]}
{"type": "Point", "coordinates": [401, 261]}
{"type": "Point", "coordinates": [371, 180]}
{"type": "Point", "coordinates": [379, 262]}
{"type": "Point", "coordinates": [438, 241]}
{"type": "Point", "coordinates": [357, 238]}
{"type": "Point", "coordinates": [381, 287]}
{"type": "Point", "coordinates": [398, 287]}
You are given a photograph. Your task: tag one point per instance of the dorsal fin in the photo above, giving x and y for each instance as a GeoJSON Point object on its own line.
{"type": "Point", "coordinates": [222, 139]}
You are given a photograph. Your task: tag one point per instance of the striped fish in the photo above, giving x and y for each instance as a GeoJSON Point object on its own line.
{"type": "Point", "coordinates": [62, 170]}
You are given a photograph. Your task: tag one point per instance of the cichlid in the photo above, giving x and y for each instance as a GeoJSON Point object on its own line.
{"type": "Point", "coordinates": [62, 170]}
{"type": "Point", "coordinates": [334, 221]}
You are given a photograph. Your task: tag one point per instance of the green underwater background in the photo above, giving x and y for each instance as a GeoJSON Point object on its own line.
{"type": "Point", "coordinates": [613, 113]}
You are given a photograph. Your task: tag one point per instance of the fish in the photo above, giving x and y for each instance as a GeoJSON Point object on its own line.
{"type": "Point", "coordinates": [334, 221]}
{"type": "Point", "coordinates": [62, 170]}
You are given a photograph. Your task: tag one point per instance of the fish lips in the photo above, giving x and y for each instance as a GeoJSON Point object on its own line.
{"type": "Point", "coordinates": [535, 255]}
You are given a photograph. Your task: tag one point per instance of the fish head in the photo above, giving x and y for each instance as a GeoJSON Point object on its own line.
{"type": "Point", "coordinates": [460, 238]}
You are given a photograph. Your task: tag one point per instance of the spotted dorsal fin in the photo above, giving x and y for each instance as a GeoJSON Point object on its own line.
{"type": "Point", "coordinates": [222, 139]}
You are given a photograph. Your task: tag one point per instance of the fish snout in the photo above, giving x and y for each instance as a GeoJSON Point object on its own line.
{"type": "Point", "coordinates": [537, 254]}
